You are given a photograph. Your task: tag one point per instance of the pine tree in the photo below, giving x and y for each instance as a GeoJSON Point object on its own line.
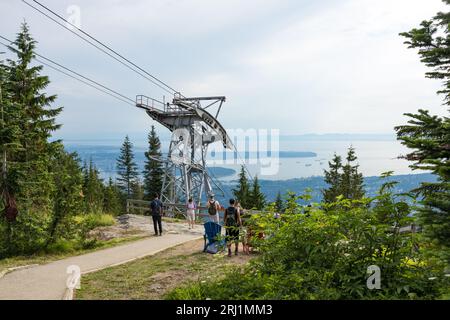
{"type": "Point", "coordinates": [37, 122]}
{"type": "Point", "coordinates": [352, 181]}
{"type": "Point", "coordinates": [126, 167]}
{"type": "Point", "coordinates": [242, 191]}
{"type": "Point", "coordinates": [93, 189]}
{"type": "Point", "coordinates": [279, 203]}
{"type": "Point", "coordinates": [257, 199]}
{"type": "Point", "coordinates": [112, 199]}
{"type": "Point", "coordinates": [153, 171]}
{"type": "Point", "coordinates": [428, 136]}
{"type": "Point", "coordinates": [28, 121]}
{"type": "Point", "coordinates": [137, 190]}
{"type": "Point", "coordinates": [68, 200]}
{"type": "Point", "coordinates": [333, 179]}
{"type": "Point", "coordinates": [10, 136]}
{"type": "Point", "coordinates": [344, 180]}
{"type": "Point", "coordinates": [9, 145]}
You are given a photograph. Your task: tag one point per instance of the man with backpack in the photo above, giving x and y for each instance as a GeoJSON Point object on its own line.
{"type": "Point", "coordinates": [213, 209]}
{"type": "Point", "coordinates": [232, 220]}
{"type": "Point", "coordinates": [156, 207]}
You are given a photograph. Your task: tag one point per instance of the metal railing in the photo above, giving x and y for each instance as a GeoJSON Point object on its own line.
{"type": "Point", "coordinates": [170, 209]}
{"type": "Point", "coordinates": [150, 103]}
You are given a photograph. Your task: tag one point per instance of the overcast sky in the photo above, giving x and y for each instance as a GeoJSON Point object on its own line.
{"type": "Point", "coordinates": [302, 66]}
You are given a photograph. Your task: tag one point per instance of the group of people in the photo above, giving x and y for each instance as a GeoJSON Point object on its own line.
{"type": "Point", "coordinates": [234, 220]}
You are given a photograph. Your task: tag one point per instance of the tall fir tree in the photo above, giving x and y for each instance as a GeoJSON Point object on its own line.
{"type": "Point", "coordinates": [93, 189]}
{"type": "Point", "coordinates": [352, 180]}
{"type": "Point", "coordinates": [37, 122]}
{"type": "Point", "coordinates": [279, 203]}
{"type": "Point", "coordinates": [10, 136]}
{"type": "Point", "coordinates": [343, 179]}
{"type": "Point", "coordinates": [126, 168]}
{"type": "Point", "coordinates": [9, 146]}
{"type": "Point", "coordinates": [153, 171]}
{"type": "Point", "coordinates": [137, 190]}
{"type": "Point", "coordinates": [112, 199]}
{"type": "Point", "coordinates": [333, 179]}
{"type": "Point", "coordinates": [257, 199]}
{"type": "Point", "coordinates": [28, 121]}
{"type": "Point", "coordinates": [428, 136]}
{"type": "Point", "coordinates": [242, 190]}
{"type": "Point", "coordinates": [68, 197]}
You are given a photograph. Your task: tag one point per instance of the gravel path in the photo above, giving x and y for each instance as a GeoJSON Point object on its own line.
{"type": "Point", "coordinates": [48, 282]}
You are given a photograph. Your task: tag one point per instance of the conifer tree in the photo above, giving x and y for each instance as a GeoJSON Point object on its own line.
{"type": "Point", "coordinates": [36, 122]}
{"type": "Point", "coordinates": [126, 167]}
{"type": "Point", "coordinates": [93, 189]}
{"type": "Point", "coordinates": [343, 180]}
{"type": "Point", "coordinates": [333, 179]}
{"type": "Point", "coordinates": [137, 190]}
{"type": "Point", "coordinates": [257, 199]}
{"type": "Point", "coordinates": [68, 200]}
{"type": "Point", "coordinates": [279, 204]}
{"type": "Point", "coordinates": [28, 120]}
{"type": "Point", "coordinates": [242, 190]}
{"type": "Point", "coordinates": [112, 200]}
{"type": "Point", "coordinates": [9, 145]}
{"type": "Point", "coordinates": [352, 180]}
{"type": "Point", "coordinates": [153, 171]}
{"type": "Point", "coordinates": [428, 136]}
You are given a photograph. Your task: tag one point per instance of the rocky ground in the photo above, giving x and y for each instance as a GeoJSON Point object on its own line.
{"type": "Point", "coordinates": [130, 224]}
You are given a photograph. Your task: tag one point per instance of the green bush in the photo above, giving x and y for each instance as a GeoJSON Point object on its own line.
{"type": "Point", "coordinates": [323, 252]}
{"type": "Point", "coordinates": [95, 220]}
{"type": "Point", "coordinates": [27, 235]}
{"type": "Point", "coordinates": [61, 246]}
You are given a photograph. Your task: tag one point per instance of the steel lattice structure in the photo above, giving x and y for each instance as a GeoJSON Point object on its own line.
{"type": "Point", "coordinates": [193, 129]}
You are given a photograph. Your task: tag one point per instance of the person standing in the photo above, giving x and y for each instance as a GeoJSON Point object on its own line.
{"type": "Point", "coordinates": [157, 212]}
{"type": "Point", "coordinates": [213, 209]}
{"type": "Point", "coordinates": [190, 212]}
{"type": "Point", "coordinates": [232, 220]}
{"type": "Point", "coordinates": [245, 217]}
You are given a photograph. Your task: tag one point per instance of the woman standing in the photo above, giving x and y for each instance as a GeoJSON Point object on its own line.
{"type": "Point", "coordinates": [190, 212]}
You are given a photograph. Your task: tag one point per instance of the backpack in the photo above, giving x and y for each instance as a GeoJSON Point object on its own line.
{"type": "Point", "coordinates": [155, 205]}
{"type": "Point", "coordinates": [212, 210]}
{"type": "Point", "coordinates": [231, 217]}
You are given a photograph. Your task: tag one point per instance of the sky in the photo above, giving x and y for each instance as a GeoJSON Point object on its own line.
{"type": "Point", "coordinates": [300, 66]}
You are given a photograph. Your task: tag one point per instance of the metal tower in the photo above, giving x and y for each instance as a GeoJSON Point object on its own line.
{"type": "Point", "coordinates": [193, 130]}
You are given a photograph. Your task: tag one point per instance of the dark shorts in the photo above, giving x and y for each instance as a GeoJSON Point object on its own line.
{"type": "Point", "coordinates": [232, 233]}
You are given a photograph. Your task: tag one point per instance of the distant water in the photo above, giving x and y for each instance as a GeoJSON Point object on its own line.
{"type": "Point", "coordinates": [374, 156]}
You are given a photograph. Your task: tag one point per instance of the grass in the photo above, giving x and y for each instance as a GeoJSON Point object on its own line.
{"type": "Point", "coordinates": [154, 277]}
{"type": "Point", "coordinates": [96, 219]}
{"type": "Point", "coordinates": [41, 258]}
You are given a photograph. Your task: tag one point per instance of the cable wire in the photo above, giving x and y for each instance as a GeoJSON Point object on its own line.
{"type": "Point", "coordinates": [162, 85]}
{"type": "Point", "coordinates": [87, 81]}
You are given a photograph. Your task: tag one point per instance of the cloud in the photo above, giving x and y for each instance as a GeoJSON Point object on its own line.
{"type": "Point", "coordinates": [300, 66]}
